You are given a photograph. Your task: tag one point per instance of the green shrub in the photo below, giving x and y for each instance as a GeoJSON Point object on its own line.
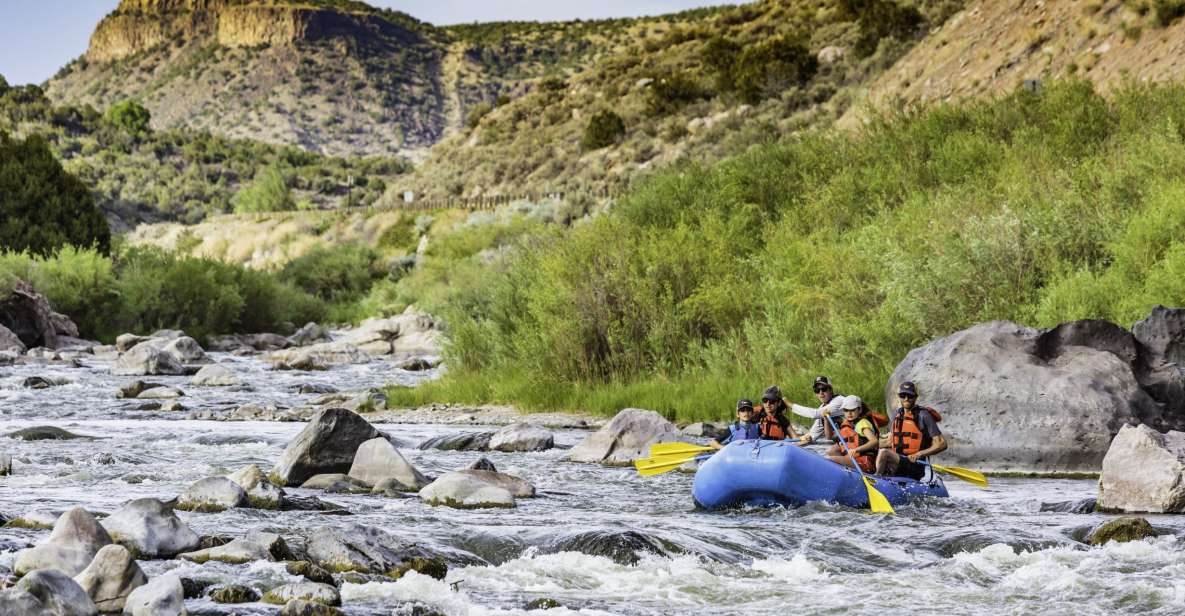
{"type": "Point", "coordinates": [1167, 11]}
{"type": "Point", "coordinates": [604, 129]}
{"type": "Point", "coordinates": [671, 91]}
{"type": "Point", "coordinates": [268, 192]}
{"type": "Point", "coordinates": [334, 273]}
{"type": "Point", "coordinates": [719, 55]}
{"type": "Point", "coordinates": [42, 207]}
{"type": "Point", "coordinates": [130, 116]}
{"type": "Point", "coordinates": [478, 112]}
{"type": "Point", "coordinates": [772, 67]}
{"type": "Point", "coordinates": [880, 19]}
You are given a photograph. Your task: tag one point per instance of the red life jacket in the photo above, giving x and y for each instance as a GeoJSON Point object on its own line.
{"type": "Point", "coordinates": [853, 439]}
{"type": "Point", "coordinates": [771, 428]}
{"type": "Point", "coordinates": [908, 437]}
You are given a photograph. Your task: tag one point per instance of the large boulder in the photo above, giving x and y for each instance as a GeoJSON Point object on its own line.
{"type": "Point", "coordinates": [56, 592]}
{"type": "Point", "coordinates": [161, 596]}
{"type": "Point", "coordinates": [215, 375]}
{"type": "Point", "coordinates": [369, 550]}
{"type": "Point", "coordinates": [1014, 398]}
{"type": "Point", "coordinates": [261, 493]}
{"type": "Point", "coordinates": [327, 444]}
{"type": "Point", "coordinates": [411, 334]}
{"type": "Point", "coordinates": [185, 349]}
{"type": "Point", "coordinates": [10, 341]}
{"type": "Point", "coordinates": [466, 441]}
{"type": "Point", "coordinates": [211, 495]}
{"type": "Point", "coordinates": [75, 540]}
{"type": "Point", "coordinates": [522, 437]}
{"type": "Point", "coordinates": [377, 460]}
{"type": "Point", "coordinates": [627, 437]}
{"type": "Point", "coordinates": [1161, 364]}
{"type": "Point", "coordinates": [149, 529]}
{"type": "Point", "coordinates": [254, 546]}
{"type": "Point", "coordinates": [111, 577]}
{"type": "Point", "coordinates": [28, 315]}
{"type": "Point", "coordinates": [1144, 472]}
{"type": "Point", "coordinates": [311, 333]}
{"type": "Point", "coordinates": [1120, 530]}
{"type": "Point", "coordinates": [465, 490]}
{"type": "Point", "coordinates": [144, 359]}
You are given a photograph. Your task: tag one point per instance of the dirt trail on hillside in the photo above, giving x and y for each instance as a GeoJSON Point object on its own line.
{"type": "Point", "coordinates": [450, 77]}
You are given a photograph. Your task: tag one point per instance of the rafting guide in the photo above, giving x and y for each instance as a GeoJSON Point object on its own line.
{"type": "Point", "coordinates": [914, 437]}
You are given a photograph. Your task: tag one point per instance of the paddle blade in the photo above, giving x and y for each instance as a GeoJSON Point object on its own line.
{"type": "Point", "coordinates": [651, 466]}
{"type": "Point", "coordinates": [670, 449]}
{"type": "Point", "coordinates": [876, 500]}
{"type": "Point", "coordinates": [965, 474]}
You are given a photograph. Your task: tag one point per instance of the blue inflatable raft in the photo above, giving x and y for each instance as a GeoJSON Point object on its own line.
{"type": "Point", "coordinates": [762, 473]}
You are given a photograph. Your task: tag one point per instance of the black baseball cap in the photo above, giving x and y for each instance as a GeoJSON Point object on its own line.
{"type": "Point", "coordinates": [744, 403]}
{"type": "Point", "coordinates": [821, 383]}
{"type": "Point", "coordinates": [908, 389]}
{"type": "Point", "coordinates": [773, 393]}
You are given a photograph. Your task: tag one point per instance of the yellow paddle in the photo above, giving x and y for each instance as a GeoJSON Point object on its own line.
{"type": "Point", "coordinates": [653, 466]}
{"type": "Point", "coordinates": [677, 448]}
{"type": "Point", "coordinates": [965, 474]}
{"type": "Point", "coordinates": [876, 501]}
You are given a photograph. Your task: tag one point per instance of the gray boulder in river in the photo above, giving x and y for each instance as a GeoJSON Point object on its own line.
{"type": "Point", "coordinates": [144, 359]}
{"type": "Point", "coordinates": [254, 546]}
{"type": "Point", "coordinates": [1144, 472]}
{"type": "Point", "coordinates": [261, 493]}
{"type": "Point", "coordinates": [473, 489]}
{"type": "Point", "coordinates": [369, 550]}
{"type": "Point", "coordinates": [27, 315]}
{"type": "Point", "coordinates": [75, 540]}
{"type": "Point", "coordinates": [111, 577]}
{"type": "Point", "coordinates": [327, 444]}
{"type": "Point", "coordinates": [211, 495]}
{"type": "Point", "coordinates": [47, 592]}
{"type": "Point", "coordinates": [378, 460]}
{"type": "Point", "coordinates": [215, 375]}
{"type": "Point", "coordinates": [10, 342]}
{"type": "Point", "coordinates": [522, 437]}
{"type": "Point", "coordinates": [312, 592]}
{"type": "Point", "coordinates": [149, 529]}
{"type": "Point", "coordinates": [627, 437]}
{"type": "Point", "coordinates": [1014, 398]}
{"type": "Point", "coordinates": [161, 596]}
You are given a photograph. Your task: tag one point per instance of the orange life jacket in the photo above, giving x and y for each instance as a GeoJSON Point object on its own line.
{"type": "Point", "coordinates": [853, 439]}
{"type": "Point", "coordinates": [908, 437]}
{"type": "Point", "coordinates": [771, 428]}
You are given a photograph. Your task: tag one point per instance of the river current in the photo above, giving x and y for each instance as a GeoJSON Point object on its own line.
{"type": "Point", "coordinates": [596, 540]}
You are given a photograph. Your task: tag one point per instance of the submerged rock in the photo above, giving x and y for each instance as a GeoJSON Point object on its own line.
{"type": "Point", "coordinates": [522, 437]}
{"type": "Point", "coordinates": [469, 441]}
{"type": "Point", "coordinates": [57, 594]}
{"type": "Point", "coordinates": [135, 388]}
{"type": "Point", "coordinates": [327, 444]}
{"type": "Point", "coordinates": [161, 596]}
{"type": "Point", "coordinates": [466, 490]}
{"type": "Point", "coordinates": [1144, 472]}
{"type": "Point", "coordinates": [215, 375]}
{"type": "Point", "coordinates": [303, 591]}
{"type": "Point", "coordinates": [369, 550]}
{"type": "Point", "coordinates": [1121, 530]}
{"type": "Point", "coordinates": [234, 593]}
{"type": "Point", "coordinates": [335, 482]}
{"type": "Point", "coordinates": [111, 577]}
{"type": "Point", "coordinates": [309, 571]}
{"type": "Point", "coordinates": [75, 540]}
{"type": "Point", "coordinates": [627, 437]}
{"type": "Point", "coordinates": [161, 393]}
{"type": "Point", "coordinates": [296, 607]}
{"type": "Point", "coordinates": [44, 433]}
{"type": "Point", "coordinates": [211, 495]}
{"type": "Point", "coordinates": [377, 461]}
{"type": "Point", "coordinates": [255, 545]}
{"type": "Point", "coordinates": [623, 548]}
{"type": "Point", "coordinates": [149, 529]}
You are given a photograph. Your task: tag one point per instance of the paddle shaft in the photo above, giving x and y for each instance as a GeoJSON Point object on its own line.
{"type": "Point", "coordinates": [856, 465]}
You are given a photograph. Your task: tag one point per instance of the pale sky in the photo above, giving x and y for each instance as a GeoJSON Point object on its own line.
{"type": "Point", "coordinates": [37, 37]}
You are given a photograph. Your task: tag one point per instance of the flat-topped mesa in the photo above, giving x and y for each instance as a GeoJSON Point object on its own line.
{"type": "Point", "coordinates": [140, 25]}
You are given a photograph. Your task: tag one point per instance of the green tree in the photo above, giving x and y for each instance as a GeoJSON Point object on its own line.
{"type": "Point", "coordinates": [129, 115]}
{"type": "Point", "coordinates": [720, 55]}
{"type": "Point", "coordinates": [768, 69]}
{"type": "Point", "coordinates": [42, 207]}
{"type": "Point", "coordinates": [268, 192]}
{"type": "Point", "coordinates": [604, 129]}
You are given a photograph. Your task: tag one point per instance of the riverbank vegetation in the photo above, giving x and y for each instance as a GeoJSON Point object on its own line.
{"type": "Point", "coordinates": [833, 253]}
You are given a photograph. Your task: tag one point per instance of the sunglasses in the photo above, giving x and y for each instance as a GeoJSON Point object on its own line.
{"type": "Point", "coordinates": [820, 390]}
{"type": "Point", "coordinates": [745, 410]}
{"type": "Point", "coordinates": [906, 396]}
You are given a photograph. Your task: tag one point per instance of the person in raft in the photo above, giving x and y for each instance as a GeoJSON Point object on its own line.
{"type": "Point", "coordinates": [830, 403]}
{"type": "Point", "coordinates": [771, 416]}
{"type": "Point", "coordinates": [858, 432]}
{"type": "Point", "coordinates": [743, 429]}
{"type": "Point", "coordinates": [913, 437]}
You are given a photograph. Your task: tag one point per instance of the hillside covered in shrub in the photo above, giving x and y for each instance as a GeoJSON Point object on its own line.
{"type": "Point", "coordinates": [836, 253]}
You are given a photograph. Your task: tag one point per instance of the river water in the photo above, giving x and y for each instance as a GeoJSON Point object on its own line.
{"type": "Point", "coordinates": [597, 540]}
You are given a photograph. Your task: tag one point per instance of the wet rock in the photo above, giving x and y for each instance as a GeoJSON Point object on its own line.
{"type": "Point", "coordinates": [106, 352]}
{"type": "Point", "coordinates": [465, 491]}
{"type": "Point", "coordinates": [311, 333]}
{"type": "Point", "coordinates": [171, 406]}
{"type": "Point", "coordinates": [232, 343]}
{"type": "Point", "coordinates": [135, 388]}
{"type": "Point", "coordinates": [311, 572]}
{"type": "Point", "coordinates": [211, 495]}
{"type": "Point", "coordinates": [312, 503]}
{"type": "Point", "coordinates": [314, 388]}
{"type": "Point", "coordinates": [522, 437]}
{"type": "Point", "coordinates": [1043, 400]}
{"type": "Point", "coordinates": [706, 429]}
{"type": "Point", "coordinates": [146, 359]}
{"type": "Point", "coordinates": [304, 363]}
{"type": "Point", "coordinates": [27, 314]}
{"type": "Point", "coordinates": [542, 603]}
{"type": "Point", "coordinates": [44, 433]}
{"type": "Point", "coordinates": [161, 393]}
{"type": "Point", "coordinates": [16, 602]}
{"type": "Point", "coordinates": [266, 342]}
{"type": "Point", "coordinates": [194, 588]}
{"type": "Point", "coordinates": [255, 545]}
{"type": "Point", "coordinates": [326, 445]}
{"type": "Point", "coordinates": [517, 486]}
{"type": "Point", "coordinates": [111, 577]}
{"type": "Point", "coordinates": [483, 464]}
{"type": "Point", "coordinates": [627, 437]}
{"type": "Point", "coordinates": [161, 596]}
{"type": "Point", "coordinates": [167, 334]}
{"type": "Point", "coordinates": [148, 528]}
{"type": "Point", "coordinates": [1144, 472]}
{"type": "Point", "coordinates": [303, 591]}
{"type": "Point", "coordinates": [624, 548]}
{"type": "Point", "coordinates": [261, 493]}
{"type": "Point", "coordinates": [215, 375]}
{"type": "Point", "coordinates": [234, 593]}
{"type": "Point", "coordinates": [369, 550]}
{"type": "Point", "coordinates": [470, 441]}
{"type": "Point", "coordinates": [57, 594]}
{"type": "Point", "coordinates": [296, 607]}
{"type": "Point", "coordinates": [5, 464]}
{"type": "Point", "coordinates": [38, 382]}
{"type": "Point", "coordinates": [10, 342]}
{"type": "Point", "coordinates": [377, 460]}
{"type": "Point", "coordinates": [75, 540]}
{"type": "Point", "coordinates": [323, 355]}
{"type": "Point", "coordinates": [8, 358]}
{"type": "Point", "coordinates": [186, 350]}
{"type": "Point", "coordinates": [335, 482]}
{"type": "Point", "coordinates": [125, 342]}
{"type": "Point", "coordinates": [35, 520]}
{"type": "Point", "coordinates": [1161, 338]}
{"type": "Point", "coordinates": [1086, 505]}
{"type": "Point", "coordinates": [418, 364]}
{"type": "Point", "coordinates": [1121, 530]}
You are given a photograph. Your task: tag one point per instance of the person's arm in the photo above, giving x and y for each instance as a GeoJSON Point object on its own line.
{"type": "Point", "coordinates": [809, 412]}
{"type": "Point", "coordinates": [871, 445]}
{"type": "Point", "coordinates": [937, 441]}
{"type": "Point", "coordinates": [827, 431]}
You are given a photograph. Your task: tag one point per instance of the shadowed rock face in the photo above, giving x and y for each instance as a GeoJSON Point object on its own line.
{"type": "Point", "coordinates": [28, 315]}
{"type": "Point", "coordinates": [327, 444]}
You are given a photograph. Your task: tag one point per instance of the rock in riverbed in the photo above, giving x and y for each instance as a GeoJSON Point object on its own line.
{"type": "Point", "coordinates": [369, 550]}
{"type": "Point", "coordinates": [296, 607]}
{"type": "Point", "coordinates": [335, 482]}
{"type": "Point", "coordinates": [48, 593]}
{"type": "Point", "coordinates": [75, 540]}
{"type": "Point", "coordinates": [626, 438]}
{"type": "Point", "coordinates": [215, 375]}
{"type": "Point", "coordinates": [522, 437]}
{"type": "Point", "coordinates": [145, 359]}
{"type": "Point", "coordinates": [149, 529]}
{"type": "Point", "coordinates": [255, 545]}
{"type": "Point", "coordinates": [1144, 472]}
{"type": "Point", "coordinates": [377, 460]}
{"type": "Point", "coordinates": [1121, 530]}
{"type": "Point", "coordinates": [211, 495]}
{"type": "Point", "coordinates": [303, 591]}
{"type": "Point", "coordinates": [471, 489]}
{"type": "Point", "coordinates": [5, 465]}
{"type": "Point", "coordinates": [44, 433]}
{"type": "Point", "coordinates": [111, 577]}
{"type": "Point", "coordinates": [261, 493]}
{"type": "Point", "coordinates": [327, 444]}
{"type": "Point", "coordinates": [161, 596]}
{"type": "Point", "coordinates": [467, 441]}
{"type": "Point", "coordinates": [160, 393]}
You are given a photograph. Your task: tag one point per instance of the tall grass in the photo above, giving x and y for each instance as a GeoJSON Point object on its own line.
{"type": "Point", "coordinates": [836, 254]}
